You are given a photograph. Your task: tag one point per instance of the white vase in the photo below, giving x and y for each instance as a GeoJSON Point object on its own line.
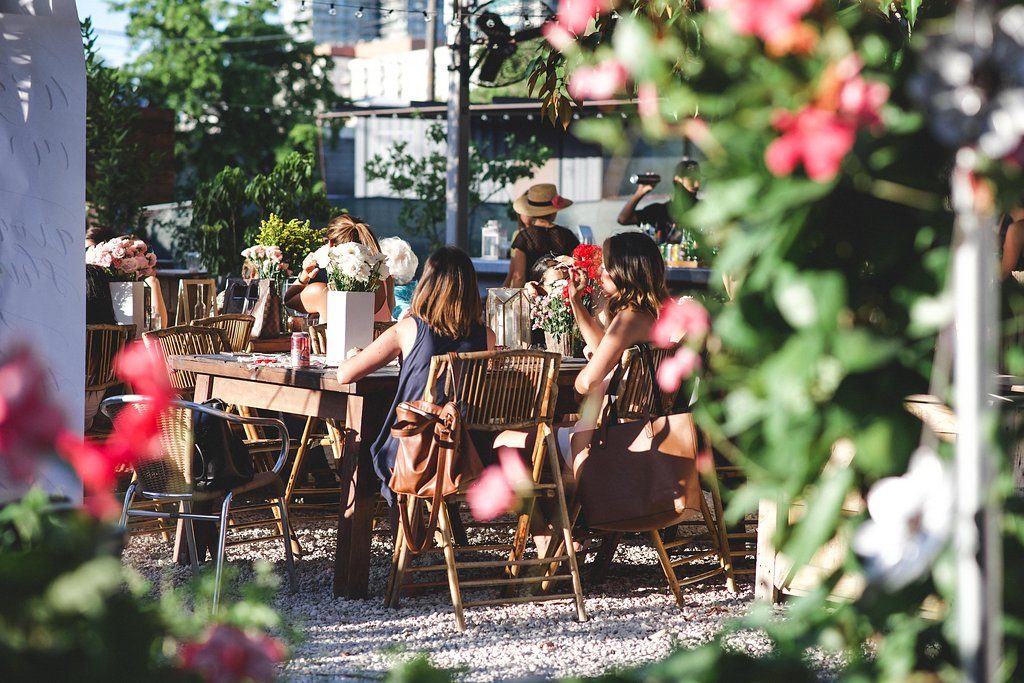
{"type": "Point", "coordinates": [129, 299]}
{"type": "Point", "coordinates": [349, 323]}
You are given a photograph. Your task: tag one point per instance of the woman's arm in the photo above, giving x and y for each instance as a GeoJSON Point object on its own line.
{"type": "Point", "coordinates": [516, 269]}
{"type": "Point", "coordinates": [293, 296]}
{"type": "Point", "coordinates": [156, 302]}
{"type": "Point", "coordinates": [628, 328]}
{"type": "Point", "coordinates": [590, 328]}
{"type": "Point", "coordinates": [383, 350]}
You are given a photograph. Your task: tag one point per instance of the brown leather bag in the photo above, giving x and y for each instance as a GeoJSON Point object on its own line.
{"type": "Point", "coordinates": [639, 475]}
{"type": "Point", "coordinates": [436, 458]}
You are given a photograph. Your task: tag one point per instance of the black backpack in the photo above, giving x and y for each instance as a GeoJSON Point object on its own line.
{"type": "Point", "coordinates": [221, 460]}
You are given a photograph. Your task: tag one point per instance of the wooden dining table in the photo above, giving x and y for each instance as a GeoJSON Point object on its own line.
{"type": "Point", "coordinates": [363, 406]}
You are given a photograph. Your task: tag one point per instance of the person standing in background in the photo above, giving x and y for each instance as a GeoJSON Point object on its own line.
{"type": "Point", "coordinates": [540, 237]}
{"type": "Point", "coordinates": [662, 215]}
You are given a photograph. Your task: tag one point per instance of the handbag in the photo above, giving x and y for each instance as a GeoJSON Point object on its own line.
{"type": "Point", "coordinates": [639, 475]}
{"type": "Point", "coordinates": [221, 460]}
{"type": "Point", "coordinates": [436, 458]}
{"type": "Point", "coordinates": [259, 298]}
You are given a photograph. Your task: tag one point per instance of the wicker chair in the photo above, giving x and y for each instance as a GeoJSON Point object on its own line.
{"type": "Point", "coordinates": [634, 390]}
{"type": "Point", "coordinates": [498, 391]}
{"type": "Point", "coordinates": [187, 340]}
{"type": "Point", "coordinates": [237, 328]}
{"type": "Point", "coordinates": [196, 299]}
{"type": "Point", "coordinates": [102, 344]}
{"type": "Point", "coordinates": [170, 479]}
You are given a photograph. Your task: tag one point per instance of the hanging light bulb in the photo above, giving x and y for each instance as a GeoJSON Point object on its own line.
{"type": "Point", "coordinates": [359, 13]}
{"type": "Point", "coordinates": [332, 11]}
{"type": "Point", "coordinates": [426, 16]}
{"type": "Point", "coordinates": [455, 21]}
{"type": "Point", "coordinates": [490, 23]}
{"type": "Point", "coordinates": [302, 5]}
{"type": "Point", "coordinates": [390, 12]}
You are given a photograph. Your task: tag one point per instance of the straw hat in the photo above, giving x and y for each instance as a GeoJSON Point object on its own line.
{"type": "Point", "coordinates": [540, 200]}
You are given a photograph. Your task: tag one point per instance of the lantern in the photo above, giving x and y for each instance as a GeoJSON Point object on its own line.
{"type": "Point", "coordinates": [508, 314]}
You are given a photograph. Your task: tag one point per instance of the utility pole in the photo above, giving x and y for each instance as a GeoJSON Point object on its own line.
{"type": "Point", "coordinates": [431, 37]}
{"type": "Point", "coordinates": [457, 180]}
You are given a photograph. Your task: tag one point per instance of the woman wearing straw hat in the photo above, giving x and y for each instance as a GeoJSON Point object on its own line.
{"type": "Point", "coordinates": [539, 236]}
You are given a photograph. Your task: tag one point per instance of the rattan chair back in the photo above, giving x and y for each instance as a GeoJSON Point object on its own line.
{"type": "Point", "coordinates": [498, 390]}
{"type": "Point", "coordinates": [102, 344]}
{"type": "Point", "coordinates": [196, 299]}
{"type": "Point", "coordinates": [187, 340]}
{"type": "Point", "coordinates": [237, 328]}
{"type": "Point", "coordinates": [635, 392]}
{"type": "Point", "coordinates": [318, 339]}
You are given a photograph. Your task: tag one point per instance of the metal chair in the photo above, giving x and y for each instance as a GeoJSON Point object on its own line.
{"type": "Point", "coordinates": [187, 340]}
{"type": "Point", "coordinates": [196, 299]}
{"type": "Point", "coordinates": [498, 391]}
{"type": "Point", "coordinates": [237, 328]}
{"type": "Point", "coordinates": [169, 479]}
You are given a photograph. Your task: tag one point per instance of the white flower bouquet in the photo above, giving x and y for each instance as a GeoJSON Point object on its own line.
{"type": "Point", "coordinates": [401, 259]}
{"type": "Point", "coordinates": [267, 261]}
{"type": "Point", "coordinates": [125, 259]}
{"type": "Point", "coordinates": [351, 267]}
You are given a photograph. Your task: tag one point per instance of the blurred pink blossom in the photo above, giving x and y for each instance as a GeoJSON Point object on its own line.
{"type": "Point", "coordinates": [143, 368]}
{"type": "Point", "coordinates": [229, 655]}
{"type": "Point", "coordinates": [677, 368]}
{"type": "Point", "coordinates": [575, 15]}
{"type": "Point", "coordinates": [29, 422]}
{"type": "Point", "coordinates": [647, 101]}
{"type": "Point", "coordinates": [685, 318]}
{"type": "Point", "coordinates": [818, 138]}
{"type": "Point", "coordinates": [599, 82]}
{"type": "Point", "coordinates": [769, 20]}
{"type": "Point", "coordinates": [499, 487]}
{"type": "Point", "coordinates": [556, 34]}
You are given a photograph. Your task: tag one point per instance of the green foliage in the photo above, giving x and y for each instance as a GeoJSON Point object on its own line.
{"type": "Point", "coordinates": [240, 84]}
{"type": "Point", "coordinates": [118, 171]}
{"type": "Point", "coordinates": [71, 605]}
{"type": "Point", "coordinates": [295, 238]}
{"type": "Point", "coordinates": [421, 180]}
{"type": "Point", "coordinates": [226, 210]}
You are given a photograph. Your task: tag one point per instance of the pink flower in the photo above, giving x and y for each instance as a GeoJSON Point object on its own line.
{"type": "Point", "coordinates": [229, 655]}
{"type": "Point", "coordinates": [499, 487]}
{"type": "Point", "coordinates": [685, 318]}
{"type": "Point", "coordinates": [29, 422]}
{"type": "Point", "coordinates": [677, 368]}
{"type": "Point", "coordinates": [647, 104]}
{"type": "Point", "coordinates": [575, 15]}
{"type": "Point", "coordinates": [556, 34]}
{"type": "Point", "coordinates": [818, 138]}
{"type": "Point", "coordinates": [767, 19]}
{"type": "Point", "coordinates": [862, 101]}
{"type": "Point", "coordinates": [143, 368]}
{"type": "Point", "coordinates": [118, 252]}
{"type": "Point", "coordinates": [599, 82]}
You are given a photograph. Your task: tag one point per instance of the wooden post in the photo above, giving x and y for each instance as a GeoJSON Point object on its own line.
{"type": "Point", "coordinates": [431, 46]}
{"type": "Point", "coordinates": [457, 185]}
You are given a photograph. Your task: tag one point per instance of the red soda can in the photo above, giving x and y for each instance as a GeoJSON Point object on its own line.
{"type": "Point", "coordinates": [300, 349]}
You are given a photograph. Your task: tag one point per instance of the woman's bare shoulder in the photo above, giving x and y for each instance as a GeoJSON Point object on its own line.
{"type": "Point", "coordinates": [632, 325]}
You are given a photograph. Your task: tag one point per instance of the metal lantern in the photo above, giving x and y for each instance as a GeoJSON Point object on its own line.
{"type": "Point", "coordinates": [508, 314]}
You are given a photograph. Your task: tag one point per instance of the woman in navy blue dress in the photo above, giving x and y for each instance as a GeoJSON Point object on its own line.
{"type": "Point", "coordinates": [446, 315]}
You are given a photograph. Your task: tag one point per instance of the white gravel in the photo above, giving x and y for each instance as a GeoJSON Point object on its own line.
{"type": "Point", "coordinates": [633, 618]}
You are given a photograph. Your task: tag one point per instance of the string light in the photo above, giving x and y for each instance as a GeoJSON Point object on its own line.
{"type": "Point", "coordinates": [359, 13]}
{"type": "Point", "coordinates": [426, 16]}
{"type": "Point", "coordinates": [332, 11]}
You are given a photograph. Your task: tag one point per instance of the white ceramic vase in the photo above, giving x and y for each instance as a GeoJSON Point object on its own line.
{"type": "Point", "coordinates": [129, 300]}
{"type": "Point", "coordinates": [349, 323]}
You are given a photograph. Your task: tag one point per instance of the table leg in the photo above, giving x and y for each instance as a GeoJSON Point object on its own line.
{"type": "Point", "coordinates": [365, 416]}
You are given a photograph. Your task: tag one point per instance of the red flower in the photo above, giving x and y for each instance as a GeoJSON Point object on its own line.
{"type": "Point", "coordinates": [142, 367]}
{"type": "Point", "coordinates": [674, 370]}
{"type": "Point", "coordinates": [588, 257]}
{"type": "Point", "coordinates": [818, 138]}
{"type": "Point", "coordinates": [769, 20]}
{"type": "Point", "coordinates": [28, 420]}
{"type": "Point", "coordinates": [681, 319]}
{"type": "Point", "coordinates": [229, 655]}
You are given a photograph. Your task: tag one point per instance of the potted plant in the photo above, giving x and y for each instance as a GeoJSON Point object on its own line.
{"type": "Point", "coordinates": [127, 261]}
{"type": "Point", "coordinates": [353, 276]}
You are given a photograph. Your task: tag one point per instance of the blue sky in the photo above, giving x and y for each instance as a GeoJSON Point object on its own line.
{"type": "Point", "coordinates": [112, 43]}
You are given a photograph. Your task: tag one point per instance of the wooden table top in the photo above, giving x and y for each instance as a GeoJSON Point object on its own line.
{"type": "Point", "coordinates": [237, 366]}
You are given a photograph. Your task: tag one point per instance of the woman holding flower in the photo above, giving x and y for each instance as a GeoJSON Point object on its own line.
{"type": "Point", "coordinates": [309, 292]}
{"type": "Point", "coordinates": [446, 316]}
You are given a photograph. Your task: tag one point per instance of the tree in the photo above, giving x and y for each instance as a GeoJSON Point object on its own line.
{"type": "Point", "coordinates": [118, 173]}
{"type": "Point", "coordinates": [421, 180]}
{"type": "Point", "coordinates": [240, 84]}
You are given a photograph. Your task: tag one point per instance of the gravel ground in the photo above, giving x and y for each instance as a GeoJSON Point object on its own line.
{"type": "Point", "coordinates": [633, 618]}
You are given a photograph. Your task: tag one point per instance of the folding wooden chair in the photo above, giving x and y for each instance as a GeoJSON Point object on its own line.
{"type": "Point", "coordinates": [498, 391]}
{"type": "Point", "coordinates": [196, 299]}
{"type": "Point", "coordinates": [237, 329]}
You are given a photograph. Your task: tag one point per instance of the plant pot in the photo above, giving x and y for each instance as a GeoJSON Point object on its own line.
{"type": "Point", "coordinates": [349, 323]}
{"type": "Point", "coordinates": [129, 299]}
{"type": "Point", "coordinates": [565, 344]}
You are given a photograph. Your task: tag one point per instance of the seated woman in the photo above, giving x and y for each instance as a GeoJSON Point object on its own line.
{"type": "Point", "coordinates": [446, 316]}
{"type": "Point", "coordinates": [633, 280]}
{"type": "Point", "coordinates": [539, 237]}
{"type": "Point", "coordinates": [309, 291]}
